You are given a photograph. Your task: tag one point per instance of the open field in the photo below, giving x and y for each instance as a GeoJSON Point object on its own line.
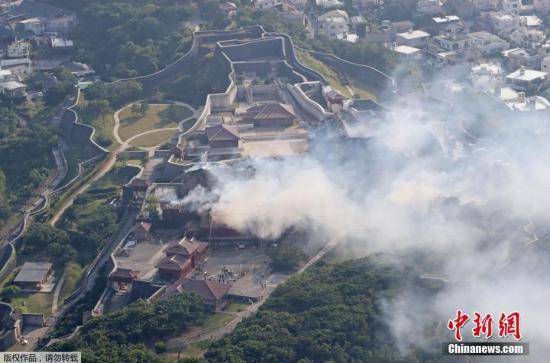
{"type": "Point", "coordinates": [40, 303]}
{"type": "Point", "coordinates": [153, 139]}
{"type": "Point", "coordinates": [156, 117]}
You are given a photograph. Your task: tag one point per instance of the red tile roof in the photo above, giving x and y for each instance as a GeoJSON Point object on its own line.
{"type": "Point", "coordinates": [175, 263]}
{"type": "Point", "coordinates": [208, 290]}
{"type": "Point", "coordinates": [270, 111]}
{"type": "Point", "coordinates": [124, 273]}
{"type": "Point", "coordinates": [221, 133]}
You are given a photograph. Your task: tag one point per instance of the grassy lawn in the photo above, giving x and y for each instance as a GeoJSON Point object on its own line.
{"type": "Point", "coordinates": [216, 321]}
{"type": "Point", "coordinates": [330, 74]}
{"type": "Point", "coordinates": [39, 303]}
{"type": "Point", "coordinates": [156, 117]}
{"type": "Point", "coordinates": [153, 139]}
{"type": "Point", "coordinates": [73, 274]}
{"type": "Point", "coordinates": [236, 307]}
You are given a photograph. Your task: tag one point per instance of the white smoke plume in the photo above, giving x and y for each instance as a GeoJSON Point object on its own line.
{"type": "Point", "coordinates": [455, 177]}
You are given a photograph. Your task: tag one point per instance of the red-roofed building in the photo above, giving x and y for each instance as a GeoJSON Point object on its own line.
{"type": "Point", "coordinates": [222, 136]}
{"type": "Point", "coordinates": [123, 277]}
{"type": "Point", "coordinates": [270, 115]}
{"type": "Point", "coordinates": [141, 231]}
{"type": "Point", "coordinates": [181, 258]}
{"type": "Point", "coordinates": [213, 294]}
{"type": "Point", "coordinates": [174, 267]}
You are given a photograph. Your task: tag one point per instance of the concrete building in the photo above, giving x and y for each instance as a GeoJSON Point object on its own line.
{"type": "Point", "coordinates": [13, 90]}
{"type": "Point", "coordinates": [333, 24]}
{"type": "Point", "coordinates": [527, 80]}
{"type": "Point", "coordinates": [36, 25]}
{"type": "Point", "coordinates": [487, 43]}
{"type": "Point", "coordinates": [545, 64]}
{"type": "Point", "coordinates": [413, 38]}
{"type": "Point", "coordinates": [329, 4]}
{"type": "Point", "coordinates": [33, 275]}
{"type": "Point", "coordinates": [21, 67]}
{"type": "Point", "coordinates": [18, 49]}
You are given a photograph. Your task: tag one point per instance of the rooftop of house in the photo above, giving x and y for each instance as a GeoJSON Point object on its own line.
{"type": "Point", "coordinates": [12, 85]}
{"type": "Point", "coordinates": [334, 14]}
{"type": "Point", "coordinates": [406, 50]}
{"type": "Point", "coordinates": [221, 133]}
{"type": "Point", "coordinates": [124, 273]}
{"type": "Point", "coordinates": [33, 272]}
{"type": "Point", "coordinates": [414, 34]}
{"type": "Point", "coordinates": [484, 36]}
{"type": "Point", "coordinates": [174, 263]}
{"type": "Point", "coordinates": [525, 74]}
{"type": "Point", "coordinates": [270, 111]}
{"type": "Point", "coordinates": [14, 62]}
{"type": "Point", "coordinates": [186, 247]}
{"type": "Point", "coordinates": [208, 290]}
{"type": "Point", "coordinates": [446, 19]}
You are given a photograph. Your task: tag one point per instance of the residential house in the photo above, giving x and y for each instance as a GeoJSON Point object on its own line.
{"type": "Point", "coordinates": [35, 26]}
{"type": "Point", "coordinates": [61, 23]}
{"type": "Point", "coordinates": [213, 294]}
{"type": "Point", "coordinates": [60, 43]}
{"type": "Point", "coordinates": [333, 24]}
{"type": "Point", "coordinates": [270, 115]}
{"type": "Point", "coordinates": [518, 57]}
{"type": "Point", "coordinates": [80, 70]}
{"type": "Point", "coordinates": [18, 49]}
{"type": "Point", "coordinates": [401, 26]}
{"type": "Point", "coordinates": [21, 67]}
{"type": "Point", "coordinates": [527, 38]}
{"type": "Point", "coordinates": [13, 90]}
{"type": "Point", "coordinates": [447, 24]}
{"type": "Point", "coordinates": [33, 275]}
{"type": "Point", "coordinates": [451, 42]}
{"type": "Point", "coordinates": [329, 4]}
{"type": "Point", "coordinates": [413, 38]}
{"type": "Point", "coordinates": [405, 52]}
{"type": "Point", "coordinates": [487, 43]}
{"type": "Point", "coordinates": [499, 23]}
{"type": "Point", "coordinates": [527, 80]}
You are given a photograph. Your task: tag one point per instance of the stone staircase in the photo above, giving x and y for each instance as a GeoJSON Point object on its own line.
{"type": "Point", "coordinates": [118, 301]}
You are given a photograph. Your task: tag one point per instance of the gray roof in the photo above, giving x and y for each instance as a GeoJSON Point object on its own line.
{"type": "Point", "coordinates": [33, 272]}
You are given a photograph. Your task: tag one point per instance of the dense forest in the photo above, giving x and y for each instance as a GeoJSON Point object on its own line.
{"type": "Point", "coordinates": [136, 332]}
{"type": "Point", "coordinates": [330, 313]}
{"type": "Point", "coordinates": [26, 157]}
{"type": "Point", "coordinates": [127, 38]}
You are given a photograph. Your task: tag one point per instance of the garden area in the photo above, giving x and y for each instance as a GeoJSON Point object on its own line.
{"type": "Point", "coordinates": [140, 118]}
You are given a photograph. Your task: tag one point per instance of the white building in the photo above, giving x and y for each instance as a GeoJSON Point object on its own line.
{"type": "Point", "coordinates": [20, 67]}
{"type": "Point", "coordinates": [329, 4]}
{"type": "Point", "coordinates": [487, 43]}
{"type": "Point", "coordinates": [36, 26]}
{"type": "Point", "coordinates": [333, 24]}
{"type": "Point", "coordinates": [413, 38]}
{"type": "Point", "coordinates": [527, 80]}
{"type": "Point", "coordinates": [18, 49]}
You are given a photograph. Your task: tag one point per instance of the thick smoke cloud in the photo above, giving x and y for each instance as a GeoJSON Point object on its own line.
{"type": "Point", "coordinates": [459, 178]}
